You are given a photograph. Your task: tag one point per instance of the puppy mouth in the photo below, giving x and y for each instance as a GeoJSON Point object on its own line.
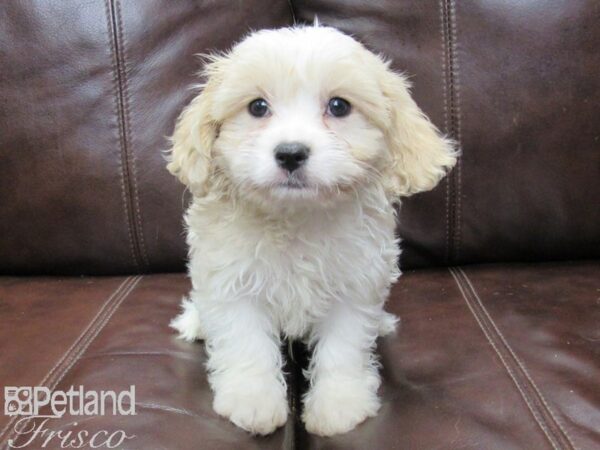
{"type": "Point", "coordinates": [293, 182]}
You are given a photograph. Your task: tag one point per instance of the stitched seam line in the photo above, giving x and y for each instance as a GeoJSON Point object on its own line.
{"type": "Point", "coordinates": [532, 396]}
{"type": "Point", "coordinates": [81, 343]}
{"type": "Point", "coordinates": [99, 326]}
{"type": "Point", "coordinates": [508, 368]}
{"type": "Point", "coordinates": [108, 9]}
{"type": "Point", "coordinates": [126, 184]}
{"type": "Point", "coordinates": [456, 127]}
{"type": "Point", "coordinates": [87, 340]}
{"type": "Point", "coordinates": [521, 365]}
{"type": "Point", "coordinates": [452, 125]}
{"type": "Point", "coordinates": [443, 33]}
{"type": "Point", "coordinates": [127, 135]}
{"type": "Point", "coordinates": [70, 349]}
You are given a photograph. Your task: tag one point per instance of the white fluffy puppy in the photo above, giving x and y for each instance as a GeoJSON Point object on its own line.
{"type": "Point", "coordinates": [295, 151]}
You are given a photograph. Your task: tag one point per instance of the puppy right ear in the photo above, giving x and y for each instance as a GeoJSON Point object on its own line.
{"type": "Point", "coordinates": [421, 156]}
{"type": "Point", "coordinates": [190, 157]}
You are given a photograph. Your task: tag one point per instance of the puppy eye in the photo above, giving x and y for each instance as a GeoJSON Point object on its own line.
{"type": "Point", "coordinates": [338, 107]}
{"type": "Point", "coordinates": [258, 107]}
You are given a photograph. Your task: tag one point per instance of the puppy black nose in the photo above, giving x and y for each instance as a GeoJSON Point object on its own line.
{"type": "Point", "coordinates": [291, 155]}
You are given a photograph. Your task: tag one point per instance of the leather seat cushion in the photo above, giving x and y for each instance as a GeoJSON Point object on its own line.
{"type": "Point", "coordinates": [493, 357]}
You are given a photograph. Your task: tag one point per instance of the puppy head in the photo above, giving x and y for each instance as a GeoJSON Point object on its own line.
{"type": "Point", "coordinates": [305, 113]}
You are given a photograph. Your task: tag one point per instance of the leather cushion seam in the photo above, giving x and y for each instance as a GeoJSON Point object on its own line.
{"type": "Point", "coordinates": [74, 352]}
{"type": "Point", "coordinates": [536, 403]}
{"type": "Point", "coordinates": [115, 82]}
{"type": "Point", "coordinates": [455, 81]}
{"type": "Point", "coordinates": [446, 117]}
{"type": "Point", "coordinates": [452, 126]}
{"type": "Point", "coordinates": [123, 161]}
{"type": "Point", "coordinates": [100, 324]}
{"type": "Point", "coordinates": [127, 134]}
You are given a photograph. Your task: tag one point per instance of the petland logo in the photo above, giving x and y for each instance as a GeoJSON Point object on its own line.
{"type": "Point", "coordinates": [38, 405]}
{"type": "Point", "coordinates": [29, 401]}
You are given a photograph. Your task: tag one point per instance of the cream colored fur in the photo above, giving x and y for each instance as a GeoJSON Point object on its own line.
{"type": "Point", "coordinates": [313, 263]}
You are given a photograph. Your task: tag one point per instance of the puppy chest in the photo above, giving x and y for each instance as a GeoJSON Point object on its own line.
{"type": "Point", "coordinates": [307, 277]}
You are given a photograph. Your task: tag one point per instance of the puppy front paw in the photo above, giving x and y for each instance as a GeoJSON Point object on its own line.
{"type": "Point", "coordinates": [336, 405]}
{"type": "Point", "coordinates": [188, 323]}
{"type": "Point", "coordinates": [256, 405]}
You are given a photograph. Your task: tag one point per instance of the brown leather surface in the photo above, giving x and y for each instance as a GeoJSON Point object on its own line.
{"type": "Point", "coordinates": [516, 84]}
{"type": "Point", "coordinates": [550, 317]}
{"type": "Point", "coordinates": [496, 357]}
{"type": "Point", "coordinates": [61, 205]}
{"type": "Point", "coordinates": [531, 165]}
{"type": "Point", "coordinates": [89, 91]}
{"type": "Point", "coordinates": [529, 382]}
{"type": "Point", "coordinates": [493, 357]}
{"type": "Point", "coordinates": [134, 345]}
{"type": "Point", "coordinates": [41, 319]}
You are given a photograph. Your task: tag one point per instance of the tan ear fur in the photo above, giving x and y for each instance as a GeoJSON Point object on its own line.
{"type": "Point", "coordinates": [195, 132]}
{"type": "Point", "coordinates": [420, 155]}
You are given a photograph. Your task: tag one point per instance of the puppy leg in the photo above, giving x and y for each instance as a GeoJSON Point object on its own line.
{"type": "Point", "coordinates": [245, 366]}
{"type": "Point", "coordinates": [343, 372]}
{"type": "Point", "coordinates": [187, 323]}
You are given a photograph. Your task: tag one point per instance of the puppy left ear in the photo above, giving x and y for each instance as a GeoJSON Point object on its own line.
{"type": "Point", "coordinates": [420, 155]}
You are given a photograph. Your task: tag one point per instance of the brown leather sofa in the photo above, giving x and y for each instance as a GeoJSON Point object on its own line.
{"type": "Point", "coordinates": [499, 346]}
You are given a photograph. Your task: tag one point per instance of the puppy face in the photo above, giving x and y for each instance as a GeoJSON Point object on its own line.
{"type": "Point", "coordinates": [305, 113]}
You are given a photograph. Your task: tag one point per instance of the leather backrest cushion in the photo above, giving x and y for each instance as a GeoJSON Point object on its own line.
{"type": "Point", "coordinates": [517, 84]}
{"type": "Point", "coordinates": [90, 90]}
